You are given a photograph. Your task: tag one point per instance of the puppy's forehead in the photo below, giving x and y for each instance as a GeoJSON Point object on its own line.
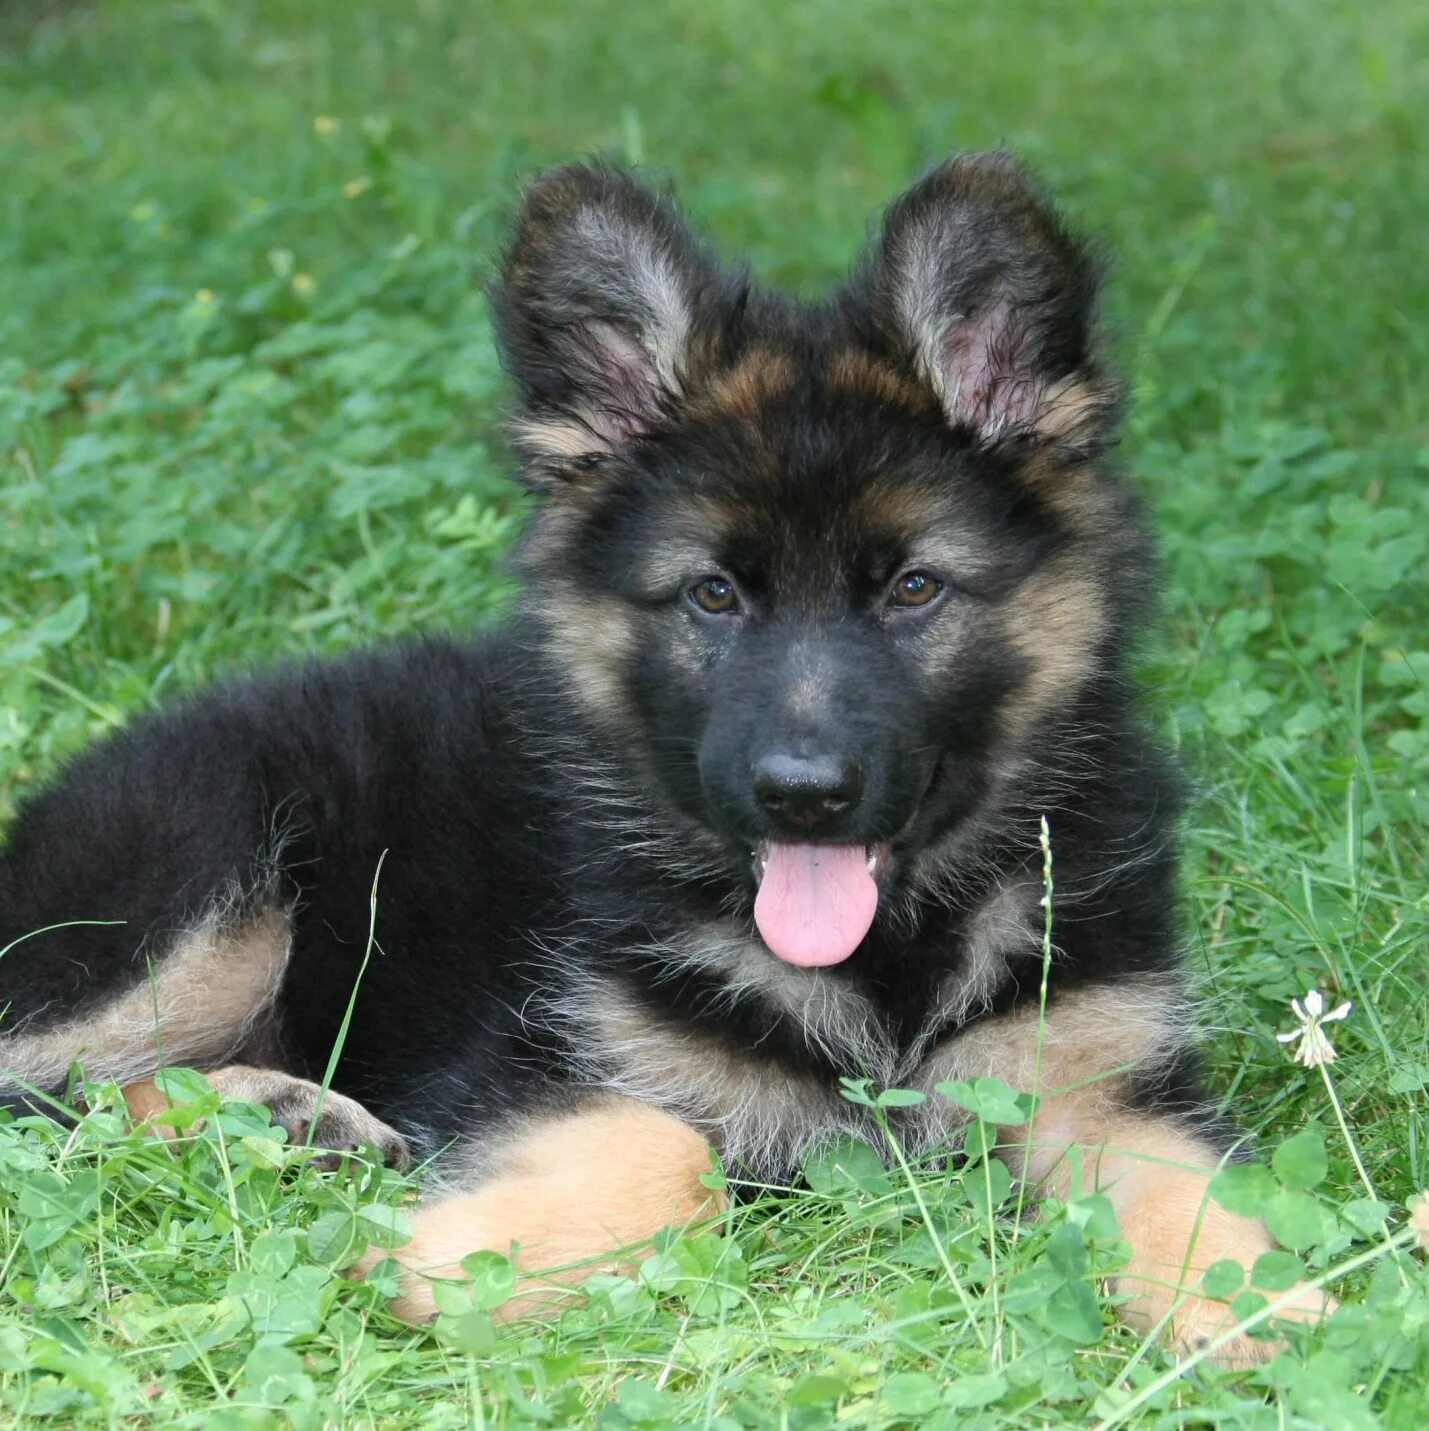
{"type": "Point", "coordinates": [851, 373]}
{"type": "Point", "coordinates": [808, 459]}
{"type": "Point", "coordinates": [806, 368]}
{"type": "Point", "coordinates": [796, 533]}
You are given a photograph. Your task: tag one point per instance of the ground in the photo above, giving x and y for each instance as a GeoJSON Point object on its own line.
{"type": "Point", "coordinates": [248, 407]}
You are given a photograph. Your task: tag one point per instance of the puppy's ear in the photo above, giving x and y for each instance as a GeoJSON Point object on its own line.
{"type": "Point", "coordinates": [977, 286]}
{"type": "Point", "coordinates": [606, 304]}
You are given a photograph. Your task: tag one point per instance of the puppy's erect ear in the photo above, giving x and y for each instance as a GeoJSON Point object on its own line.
{"type": "Point", "coordinates": [606, 304]}
{"type": "Point", "coordinates": [976, 285]}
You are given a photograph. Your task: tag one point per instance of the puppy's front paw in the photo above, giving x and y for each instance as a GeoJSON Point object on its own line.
{"type": "Point", "coordinates": [1177, 1231]}
{"type": "Point", "coordinates": [342, 1128]}
{"type": "Point", "coordinates": [343, 1125]}
{"type": "Point", "coordinates": [576, 1193]}
{"type": "Point", "coordinates": [1197, 1322]}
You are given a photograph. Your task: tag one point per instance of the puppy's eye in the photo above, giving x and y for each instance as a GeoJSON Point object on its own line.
{"type": "Point", "coordinates": [715, 595]}
{"type": "Point", "coordinates": [914, 588]}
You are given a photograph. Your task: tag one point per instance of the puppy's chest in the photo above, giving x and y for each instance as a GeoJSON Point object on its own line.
{"type": "Point", "coordinates": [765, 1110]}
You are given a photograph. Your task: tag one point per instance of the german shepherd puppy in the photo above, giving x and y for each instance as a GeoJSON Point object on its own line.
{"type": "Point", "coordinates": [825, 608]}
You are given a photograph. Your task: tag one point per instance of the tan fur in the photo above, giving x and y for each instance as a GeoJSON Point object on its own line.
{"type": "Point", "coordinates": [553, 437]}
{"type": "Point", "coordinates": [741, 391]}
{"type": "Point", "coordinates": [593, 639]}
{"type": "Point", "coordinates": [569, 1193]}
{"type": "Point", "coordinates": [344, 1125]}
{"type": "Point", "coordinates": [905, 515]}
{"type": "Point", "coordinates": [756, 1111]}
{"type": "Point", "coordinates": [751, 1108]}
{"type": "Point", "coordinates": [1157, 1176]}
{"type": "Point", "coordinates": [856, 370]}
{"type": "Point", "coordinates": [1155, 1170]}
{"type": "Point", "coordinates": [146, 1101]}
{"type": "Point", "coordinates": [830, 1013]}
{"type": "Point", "coordinates": [1072, 408]}
{"type": "Point", "coordinates": [672, 564]}
{"type": "Point", "coordinates": [571, 1190]}
{"type": "Point", "coordinates": [1072, 1048]}
{"type": "Point", "coordinates": [1078, 493]}
{"type": "Point", "coordinates": [204, 997]}
{"type": "Point", "coordinates": [1055, 620]}
{"type": "Point", "coordinates": [892, 509]}
{"type": "Point", "coordinates": [1086, 1035]}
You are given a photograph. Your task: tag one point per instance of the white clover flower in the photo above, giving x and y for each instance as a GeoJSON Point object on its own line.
{"type": "Point", "coordinates": [1419, 1220]}
{"type": "Point", "coordinates": [1315, 1050]}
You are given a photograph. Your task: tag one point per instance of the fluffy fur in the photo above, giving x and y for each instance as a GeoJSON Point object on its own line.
{"type": "Point", "coordinates": [725, 637]}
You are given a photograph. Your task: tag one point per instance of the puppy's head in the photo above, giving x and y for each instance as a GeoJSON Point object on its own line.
{"type": "Point", "coordinates": [825, 570]}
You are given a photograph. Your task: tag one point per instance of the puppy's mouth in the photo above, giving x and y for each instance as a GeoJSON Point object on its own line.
{"type": "Point", "coordinates": [816, 902]}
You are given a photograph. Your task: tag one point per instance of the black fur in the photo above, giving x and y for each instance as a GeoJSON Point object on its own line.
{"type": "Point", "coordinates": [560, 806]}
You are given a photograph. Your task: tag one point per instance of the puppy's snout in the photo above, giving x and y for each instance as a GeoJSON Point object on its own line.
{"type": "Point", "coordinates": [807, 794]}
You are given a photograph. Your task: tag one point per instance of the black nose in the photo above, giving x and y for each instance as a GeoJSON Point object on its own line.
{"type": "Point", "coordinates": [809, 793]}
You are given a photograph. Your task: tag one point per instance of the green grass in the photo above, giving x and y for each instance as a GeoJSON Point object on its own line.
{"type": "Point", "coordinates": [247, 408]}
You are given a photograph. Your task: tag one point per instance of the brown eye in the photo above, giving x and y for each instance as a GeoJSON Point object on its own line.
{"type": "Point", "coordinates": [914, 588]}
{"type": "Point", "coordinates": [715, 595]}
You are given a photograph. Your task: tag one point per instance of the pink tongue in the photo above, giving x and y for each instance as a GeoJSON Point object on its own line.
{"type": "Point", "coordinates": [815, 902]}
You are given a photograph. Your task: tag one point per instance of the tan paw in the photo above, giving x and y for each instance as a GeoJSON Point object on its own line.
{"type": "Point", "coordinates": [1199, 1322]}
{"type": "Point", "coordinates": [575, 1194]}
{"type": "Point", "coordinates": [344, 1126]}
{"type": "Point", "coordinates": [445, 1233]}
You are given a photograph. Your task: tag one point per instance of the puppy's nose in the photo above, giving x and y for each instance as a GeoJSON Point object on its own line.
{"type": "Point", "coordinates": [807, 793]}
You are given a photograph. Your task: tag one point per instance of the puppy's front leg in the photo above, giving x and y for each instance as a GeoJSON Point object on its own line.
{"type": "Point", "coordinates": [569, 1191]}
{"type": "Point", "coordinates": [1156, 1172]}
{"type": "Point", "coordinates": [342, 1125]}
{"type": "Point", "coordinates": [1097, 1059]}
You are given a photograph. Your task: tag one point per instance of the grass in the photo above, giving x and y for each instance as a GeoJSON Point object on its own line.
{"type": "Point", "coordinates": [247, 408]}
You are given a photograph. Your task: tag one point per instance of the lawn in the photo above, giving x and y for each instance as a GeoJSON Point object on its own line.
{"type": "Point", "coordinates": [248, 407]}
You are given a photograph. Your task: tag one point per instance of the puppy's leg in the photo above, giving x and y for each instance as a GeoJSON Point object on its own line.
{"type": "Point", "coordinates": [148, 895]}
{"type": "Point", "coordinates": [564, 1189]}
{"type": "Point", "coordinates": [1100, 1056]}
{"type": "Point", "coordinates": [203, 996]}
{"type": "Point", "coordinates": [1157, 1174]}
{"type": "Point", "coordinates": [208, 994]}
{"type": "Point", "coordinates": [1156, 1171]}
{"type": "Point", "coordinates": [343, 1125]}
